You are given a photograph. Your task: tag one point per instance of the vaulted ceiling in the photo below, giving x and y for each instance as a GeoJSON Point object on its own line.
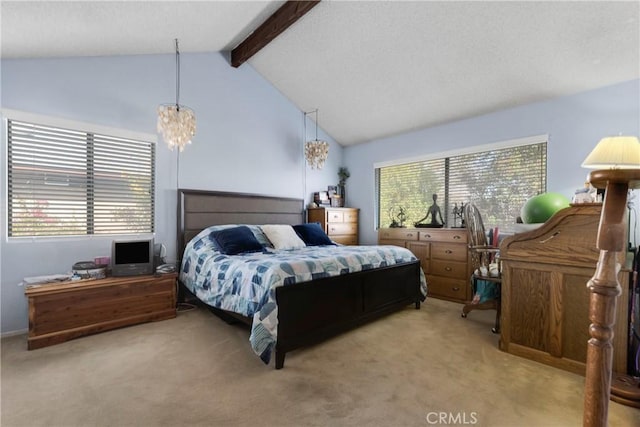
{"type": "Point", "coordinates": [372, 68]}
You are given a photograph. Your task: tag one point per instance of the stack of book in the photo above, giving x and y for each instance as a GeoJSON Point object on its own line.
{"type": "Point", "coordinates": [321, 198]}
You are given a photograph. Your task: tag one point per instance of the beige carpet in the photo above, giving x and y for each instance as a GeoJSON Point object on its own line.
{"type": "Point", "coordinates": [195, 370]}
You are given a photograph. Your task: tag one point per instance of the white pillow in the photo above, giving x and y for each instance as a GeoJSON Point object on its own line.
{"type": "Point", "coordinates": [282, 236]}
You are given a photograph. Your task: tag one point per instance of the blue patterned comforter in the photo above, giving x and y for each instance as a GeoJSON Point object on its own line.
{"type": "Point", "coordinates": [246, 283]}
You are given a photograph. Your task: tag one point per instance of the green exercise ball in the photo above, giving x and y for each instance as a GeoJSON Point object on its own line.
{"type": "Point", "coordinates": [542, 207]}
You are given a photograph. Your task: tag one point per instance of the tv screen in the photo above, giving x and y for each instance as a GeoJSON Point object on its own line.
{"type": "Point", "coordinates": [132, 252]}
{"type": "Point", "coordinates": [132, 257]}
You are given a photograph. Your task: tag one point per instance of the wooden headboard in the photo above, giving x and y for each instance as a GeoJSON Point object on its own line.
{"type": "Point", "coordinates": [198, 209]}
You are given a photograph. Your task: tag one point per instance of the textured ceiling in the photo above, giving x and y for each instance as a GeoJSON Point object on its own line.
{"type": "Point", "coordinates": [382, 68]}
{"type": "Point", "coordinates": [98, 28]}
{"type": "Point", "coordinates": [373, 69]}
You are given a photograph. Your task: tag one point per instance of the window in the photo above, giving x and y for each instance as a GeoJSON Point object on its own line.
{"type": "Point", "coordinates": [64, 182]}
{"type": "Point", "coordinates": [498, 181]}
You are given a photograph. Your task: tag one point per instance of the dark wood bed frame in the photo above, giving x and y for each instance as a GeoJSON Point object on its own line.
{"type": "Point", "coordinates": [307, 312]}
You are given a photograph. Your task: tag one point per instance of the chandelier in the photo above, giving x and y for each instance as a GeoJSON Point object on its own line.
{"type": "Point", "coordinates": [316, 151]}
{"type": "Point", "coordinates": [176, 123]}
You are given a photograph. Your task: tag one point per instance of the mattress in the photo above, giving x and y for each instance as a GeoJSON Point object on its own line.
{"type": "Point", "coordinates": [246, 283]}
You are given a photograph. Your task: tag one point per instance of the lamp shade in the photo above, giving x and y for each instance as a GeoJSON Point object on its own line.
{"type": "Point", "coordinates": [615, 152]}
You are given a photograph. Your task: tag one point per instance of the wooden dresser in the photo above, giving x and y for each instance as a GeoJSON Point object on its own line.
{"type": "Point", "coordinates": [59, 312]}
{"type": "Point", "coordinates": [444, 256]}
{"type": "Point", "coordinates": [340, 224]}
{"type": "Point", "coordinates": [545, 300]}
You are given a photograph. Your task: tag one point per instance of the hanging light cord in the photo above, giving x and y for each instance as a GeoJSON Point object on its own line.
{"type": "Point", "coordinates": [316, 124]}
{"type": "Point", "coordinates": [306, 113]}
{"type": "Point", "coordinates": [180, 306]}
{"type": "Point", "coordinates": [304, 160]}
{"type": "Point", "coordinates": [177, 76]}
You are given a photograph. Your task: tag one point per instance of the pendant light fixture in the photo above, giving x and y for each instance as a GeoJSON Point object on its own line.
{"type": "Point", "coordinates": [176, 123]}
{"type": "Point", "coordinates": [315, 151]}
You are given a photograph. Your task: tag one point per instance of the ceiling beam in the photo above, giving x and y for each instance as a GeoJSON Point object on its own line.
{"type": "Point", "coordinates": [281, 19]}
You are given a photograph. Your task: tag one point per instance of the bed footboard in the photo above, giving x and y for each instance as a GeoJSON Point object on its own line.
{"type": "Point", "coordinates": [314, 311]}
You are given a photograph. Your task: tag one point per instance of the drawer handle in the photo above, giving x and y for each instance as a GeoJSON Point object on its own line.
{"type": "Point", "coordinates": [428, 236]}
{"type": "Point", "coordinates": [456, 237]}
{"type": "Point", "coordinates": [456, 289]}
{"type": "Point", "coordinates": [447, 268]}
{"type": "Point", "coordinates": [409, 234]}
{"type": "Point", "coordinates": [448, 251]}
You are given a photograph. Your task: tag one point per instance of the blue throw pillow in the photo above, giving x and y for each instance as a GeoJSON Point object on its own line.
{"type": "Point", "coordinates": [312, 234]}
{"type": "Point", "coordinates": [236, 240]}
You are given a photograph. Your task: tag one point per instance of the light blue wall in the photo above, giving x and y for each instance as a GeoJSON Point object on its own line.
{"type": "Point", "coordinates": [249, 139]}
{"type": "Point", "coordinates": [574, 124]}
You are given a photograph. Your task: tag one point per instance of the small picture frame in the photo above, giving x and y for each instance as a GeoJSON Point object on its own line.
{"type": "Point", "coordinates": [332, 190]}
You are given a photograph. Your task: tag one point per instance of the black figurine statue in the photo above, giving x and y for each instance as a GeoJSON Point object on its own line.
{"type": "Point", "coordinates": [397, 221]}
{"type": "Point", "coordinates": [436, 216]}
{"type": "Point", "coordinates": [458, 212]}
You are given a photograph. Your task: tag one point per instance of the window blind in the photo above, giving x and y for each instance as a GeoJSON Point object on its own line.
{"type": "Point", "coordinates": [497, 181]}
{"type": "Point", "coordinates": [64, 182]}
{"type": "Point", "coordinates": [408, 188]}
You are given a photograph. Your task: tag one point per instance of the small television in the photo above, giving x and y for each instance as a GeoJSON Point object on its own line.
{"type": "Point", "coordinates": [132, 257]}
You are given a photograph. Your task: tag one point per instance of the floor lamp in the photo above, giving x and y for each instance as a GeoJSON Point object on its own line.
{"type": "Point", "coordinates": [618, 161]}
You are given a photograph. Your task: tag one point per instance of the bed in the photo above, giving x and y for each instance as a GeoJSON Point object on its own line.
{"type": "Point", "coordinates": [307, 307]}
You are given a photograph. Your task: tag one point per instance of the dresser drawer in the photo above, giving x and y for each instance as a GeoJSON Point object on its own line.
{"type": "Point", "coordinates": [451, 269]}
{"type": "Point", "coordinates": [346, 240]}
{"type": "Point", "coordinates": [420, 249]}
{"type": "Point", "coordinates": [449, 251]}
{"type": "Point", "coordinates": [448, 288]}
{"type": "Point", "coordinates": [340, 224]}
{"type": "Point", "coordinates": [452, 236]}
{"type": "Point", "coordinates": [350, 216]}
{"type": "Point", "coordinates": [400, 243]}
{"type": "Point", "coordinates": [397, 234]}
{"type": "Point", "coordinates": [342, 228]}
{"type": "Point", "coordinates": [335, 216]}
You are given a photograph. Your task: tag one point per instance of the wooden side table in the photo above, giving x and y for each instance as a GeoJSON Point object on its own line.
{"type": "Point", "coordinates": [59, 312]}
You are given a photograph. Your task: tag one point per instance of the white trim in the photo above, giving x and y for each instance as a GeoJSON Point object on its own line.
{"type": "Point", "coordinates": [14, 333]}
{"type": "Point", "coordinates": [76, 237]}
{"type": "Point", "coordinates": [528, 140]}
{"type": "Point", "coordinates": [77, 125]}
